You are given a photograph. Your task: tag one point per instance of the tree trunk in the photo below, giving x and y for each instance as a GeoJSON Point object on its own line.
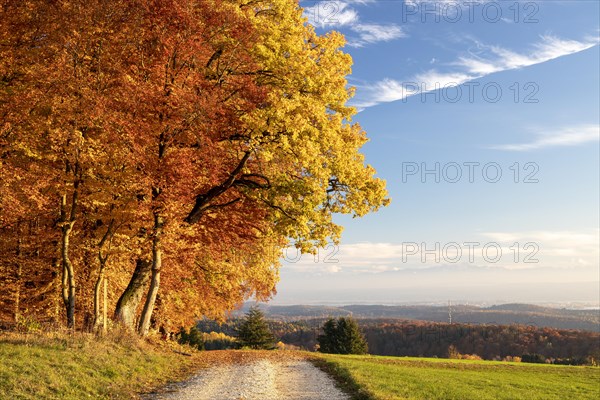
{"type": "Point", "coordinates": [67, 219]}
{"type": "Point", "coordinates": [97, 287]}
{"type": "Point", "coordinates": [18, 294]}
{"type": "Point", "coordinates": [129, 301]}
{"type": "Point", "coordinates": [64, 283]}
{"type": "Point", "coordinates": [18, 282]}
{"type": "Point", "coordinates": [57, 287]}
{"type": "Point", "coordinates": [68, 276]}
{"type": "Point", "coordinates": [155, 283]}
{"type": "Point", "coordinates": [102, 259]}
{"type": "Point", "coordinates": [105, 308]}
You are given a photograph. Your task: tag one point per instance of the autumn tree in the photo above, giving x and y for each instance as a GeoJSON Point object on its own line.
{"type": "Point", "coordinates": [178, 99]}
{"type": "Point", "coordinates": [298, 174]}
{"type": "Point", "coordinates": [298, 154]}
{"type": "Point", "coordinates": [59, 137]}
{"type": "Point", "coordinates": [182, 142]}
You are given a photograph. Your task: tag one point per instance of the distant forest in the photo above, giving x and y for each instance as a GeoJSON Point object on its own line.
{"type": "Point", "coordinates": [393, 337]}
{"type": "Point", "coordinates": [505, 314]}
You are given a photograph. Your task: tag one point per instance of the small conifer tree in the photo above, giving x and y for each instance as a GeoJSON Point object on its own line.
{"type": "Point", "coordinates": [254, 331]}
{"type": "Point", "coordinates": [342, 337]}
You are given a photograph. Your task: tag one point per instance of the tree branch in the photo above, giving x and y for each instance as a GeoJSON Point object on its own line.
{"type": "Point", "coordinates": [203, 200]}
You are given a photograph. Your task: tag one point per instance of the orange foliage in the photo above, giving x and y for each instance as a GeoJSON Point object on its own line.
{"type": "Point", "coordinates": [196, 135]}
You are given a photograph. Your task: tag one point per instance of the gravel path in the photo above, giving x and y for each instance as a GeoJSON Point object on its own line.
{"type": "Point", "coordinates": [258, 380]}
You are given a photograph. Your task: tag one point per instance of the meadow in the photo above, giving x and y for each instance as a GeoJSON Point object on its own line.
{"type": "Point", "coordinates": [395, 378]}
{"type": "Point", "coordinates": [60, 366]}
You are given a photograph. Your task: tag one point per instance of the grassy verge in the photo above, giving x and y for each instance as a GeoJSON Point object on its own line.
{"type": "Point", "coordinates": [82, 366]}
{"type": "Point", "coordinates": [372, 377]}
{"type": "Point", "coordinates": [344, 378]}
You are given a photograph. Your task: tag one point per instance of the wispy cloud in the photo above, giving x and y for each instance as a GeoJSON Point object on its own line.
{"type": "Point", "coordinates": [489, 60]}
{"type": "Point", "coordinates": [560, 249]}
{"type": "Point", "coordinates": [549, 48]}
{"type": "Point", "coordinates": [340, 14]}
{"type": "Point", "coordinates": [569, 136]}
{"type": "Point", "coordinates": [388, 90]}
{"type": "Point", "coordinates": [518, 250]}
{"type": "Point", "coordinates": [372, 33]}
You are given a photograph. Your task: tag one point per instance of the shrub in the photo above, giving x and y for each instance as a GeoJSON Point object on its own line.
{"type": "Point", "coordinates": [219, 341]}
{"type": "Point", "coordinates": [453, 352]}
{"type": "Point", "coordinates": [572, 361]}
{"type": "Point", "coordinates": [533, 358]}
{"type": "Point", "coordinates": [193, 338]}
{"type": "Point", "coordinates": [470, 357]}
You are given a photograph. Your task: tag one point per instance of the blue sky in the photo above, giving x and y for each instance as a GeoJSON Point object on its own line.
{"type": "Point", "coordinates": [483, 117]}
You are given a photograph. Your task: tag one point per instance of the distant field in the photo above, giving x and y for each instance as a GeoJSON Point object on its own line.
{"type": "Point", "coordinates": [389, 378]}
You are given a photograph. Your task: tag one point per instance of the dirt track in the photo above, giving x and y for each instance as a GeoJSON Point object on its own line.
{"type": "Point", "coordinates": [262, 379]}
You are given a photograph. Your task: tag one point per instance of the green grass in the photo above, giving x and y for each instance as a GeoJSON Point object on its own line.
{"type": "Point", "coordinates": [82, 367]}
{"type": "Point", "coordinates": [85, 367]}
{"type": "Point", "coordinates": [373, 377]}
